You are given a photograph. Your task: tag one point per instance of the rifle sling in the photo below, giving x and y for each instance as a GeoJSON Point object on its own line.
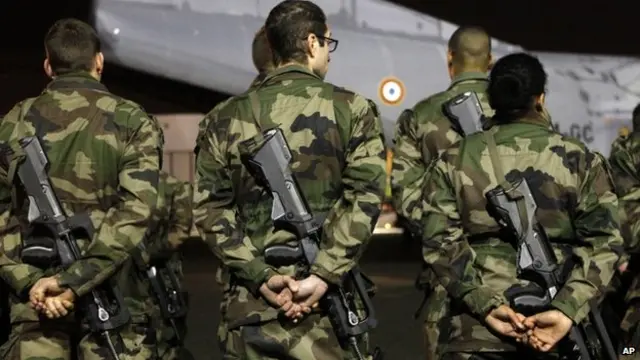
{"type": "Point", "coordinates": [509, 189]}
{"type": "Point", "coordinates": [255, 109]}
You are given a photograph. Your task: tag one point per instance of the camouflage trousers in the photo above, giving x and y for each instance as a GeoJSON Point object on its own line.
{"type": "Point", "coordinates": [630, 326]}
{"type": "Point", "coordinates": [53, 340]}
{"type": "Point", "coordinates": [168, 346]}
{"type": "Point", "coordinates": [631, 319]}
{"type": "Point", "coordinates": [175, 353]}
{"type": "Point", "coordinates": [311, 339]}
{"type": "Point", "coordinates": [435, 310]}
{"type": "Point", "coordinates": [496, 356]}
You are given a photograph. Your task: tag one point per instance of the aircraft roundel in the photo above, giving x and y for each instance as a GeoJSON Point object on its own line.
{"type": "Point", "coordinates": [391, 91]}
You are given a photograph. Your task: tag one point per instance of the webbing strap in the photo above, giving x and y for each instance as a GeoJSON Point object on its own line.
{"type": "Point", "coordinates": [510, 190]}
{"type": "Point", "coordinates": [255, 108]}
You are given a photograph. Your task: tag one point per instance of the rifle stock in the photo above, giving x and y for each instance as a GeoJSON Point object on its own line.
{"type": "Point", "coordinates": [268, 160]}
{"type": "Point", "coordinates": [465, 113]}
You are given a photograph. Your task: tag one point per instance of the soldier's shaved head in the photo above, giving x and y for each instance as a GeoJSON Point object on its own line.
{"type": "Point", "coordinates": [469, 50]}
{"type": "Point", "coordinates": [261, 52]}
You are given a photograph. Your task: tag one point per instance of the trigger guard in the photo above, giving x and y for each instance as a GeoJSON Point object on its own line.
{"type": "Point", "coordinates": [529, 300]}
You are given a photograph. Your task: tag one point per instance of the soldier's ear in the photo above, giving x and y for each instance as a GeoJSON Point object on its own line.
{"type": "Point", "coordinates": [540, 100]}
{"type": "Point", "coordinates": [450, 64]}
{"type": "Point", "coordinates": [99, 63]}
{"type": "Point", "coordinates": [47, 68]}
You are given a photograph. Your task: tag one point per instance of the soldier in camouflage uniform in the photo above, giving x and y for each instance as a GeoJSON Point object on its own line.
{"type": "Point", "coordinates": [339, 159]}
{"type": "Point", "coordinates": [465, 246]}
{"type": "Point", "coordinates": [175, 227]}
{"type": "Point", "coordinates": [625, 162]}
{"type": "Point", "coordinates": [104, 154]}
{"type": "Point", "coordinates": [422, 133]}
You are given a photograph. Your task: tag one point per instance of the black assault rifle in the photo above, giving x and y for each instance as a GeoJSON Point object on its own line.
{"type": "Point", "coordinates": [104, 306]}
{"type": "Point", "coordinates": [267, 158]}
{"type": "Point", "coordinates": [153, 262]}
{"type": "Point", "coordinates": [536, 260]}
{"type": "Point", "coordinates": [168, 293]}
{"type": "Point", "coordinates": [515, 210]}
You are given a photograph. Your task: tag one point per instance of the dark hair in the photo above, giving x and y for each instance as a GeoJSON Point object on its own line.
{"type": "Point", "coordinates": [514, 82]}
{"type": "Point", "coordinates": [289, 24]}
{"type": "Point", "coordinates": [261, 51]}
{"type": "Point", "coordinates": [470, 47]}
{"type": "Point", "coordinates": [636, 112]}
{"type": "Point", "coordinates": [71, 46]}
{"type": "Point", "coordinates": [635, 119]}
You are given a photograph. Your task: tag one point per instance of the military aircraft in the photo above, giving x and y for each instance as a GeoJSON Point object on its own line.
{"type": "Point", "coordinates": [389, 53]}
{"type": "Point", "coordinates": [386, 52]}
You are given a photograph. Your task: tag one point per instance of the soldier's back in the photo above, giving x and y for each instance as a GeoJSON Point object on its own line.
{"type": "Point", "coordinates": [422, 134]}
{"type": "Point", "coordinates": [553, 164]}
{"type": "Point", "coordinates": [316, 118]}
{"type": "Point", "coordinates": [84, 130]}
{"type": "Point", "coordinates": [625, 160]}
{"type": "Point", "coordinates": [96, 144]}
{"type": "Point", "coordinates": [563, 175]}
{"type": "Point", "coordinates": [434, 128]}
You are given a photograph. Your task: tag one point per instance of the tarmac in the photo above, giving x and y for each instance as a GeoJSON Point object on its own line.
{"type": "Point", "coordinates": [391, 261]}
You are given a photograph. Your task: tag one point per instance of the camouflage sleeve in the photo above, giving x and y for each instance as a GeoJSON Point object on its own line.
{"type": "Point", "coordinates": [624, 167]}
{"type": "Point", "coordinates": [350, 222]}
{"type": "Point", "coordinates": [20, 277]}
{"type": "Point", "coordinates": [596, 225]}
{"type": "Point", "coordinates": [215, 211]}
{"type": "Point", "coordinates": [126, 223]}
{"type": "Point", "coordinates": [408, 170]}
{"type": "Point", "coordinates": [183, 227]}
{"type": "Point", "coordinates": [445, 247]}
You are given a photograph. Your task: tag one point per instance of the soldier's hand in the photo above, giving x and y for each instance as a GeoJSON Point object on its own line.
{"type": "Point", "coordinates": [59, 306]}
{"type": "Point", "coordinates": [507, 322]}
{"type": "Point", "coordinates": [547, 328]}
{"type": "Point", "coordinates": [623, 267]}
{"type": "Point", "coordinates": [278, 291]}
{"type": "Point", "coordinates": [44, 287]}
{"type": "Point", "coordinates": [310, 291]}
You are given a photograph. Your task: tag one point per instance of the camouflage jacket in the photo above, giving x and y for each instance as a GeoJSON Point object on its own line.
{"type": "Point", "coordinates": [577, 207]}
{"type": "Point", "coordinates": [422, 133]}
{"type": "Point", "coordinates": [104, 154]}
{"type": "Point", "coordinates": [173, 223]}
{"type": "Point", "coordinates": [625, 164]}
{"type": "Point", "coordinates": [175, 226]}
{"type": "Point", "coordinates": [338, 158]}
{"type": "Point", "coordinates": [202, 126]}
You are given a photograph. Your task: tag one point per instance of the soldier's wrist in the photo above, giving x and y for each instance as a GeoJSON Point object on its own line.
{"type": "Point", "coordinates": [569, 310]}
{"type": "Point", "coordinates": [482, 301]}
{"type": "Point", "coordinates": [254, 285]}
{"type": "Point", "coordinates": [320, 269]}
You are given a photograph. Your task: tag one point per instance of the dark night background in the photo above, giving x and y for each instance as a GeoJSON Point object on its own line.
{"type": "Point", "coordinates": [536, 25]}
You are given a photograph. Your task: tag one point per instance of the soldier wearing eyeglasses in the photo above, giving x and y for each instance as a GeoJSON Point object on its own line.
{"type": "Point", "coordinates": [338, 155]}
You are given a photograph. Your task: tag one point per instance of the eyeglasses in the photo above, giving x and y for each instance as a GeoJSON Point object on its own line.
{"type": "Point", "coordinates": [331, 43]}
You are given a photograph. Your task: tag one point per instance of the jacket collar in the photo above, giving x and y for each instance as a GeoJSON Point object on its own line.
{"type": "Point", "coordinates": [78, 80]}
